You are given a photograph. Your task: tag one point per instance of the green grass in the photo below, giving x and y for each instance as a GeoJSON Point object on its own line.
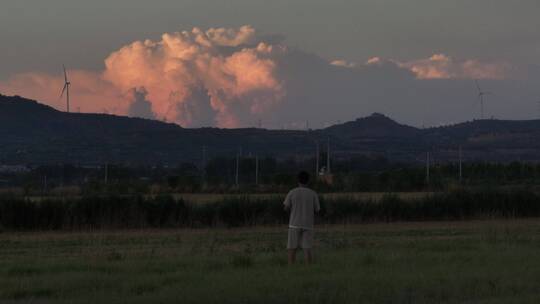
{"type": "Point", "coordinates": [444, 262]}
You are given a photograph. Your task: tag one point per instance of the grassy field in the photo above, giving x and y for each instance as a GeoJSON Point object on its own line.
{"type": "Point", "coordinates": [444, 262]}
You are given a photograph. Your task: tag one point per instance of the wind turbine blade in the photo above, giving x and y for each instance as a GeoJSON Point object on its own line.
{"type": "Point", "coordinates": [478, 86]}
{"type": "Point", "coordinates": [65, 74]}
{"type": "Point", "coordinates": [63, 90]}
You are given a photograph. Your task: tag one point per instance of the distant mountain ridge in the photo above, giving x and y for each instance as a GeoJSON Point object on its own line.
{"type": "Point", "coordinates": [375, 125]}
{"type": "Point", "coordinates": [33, 133]}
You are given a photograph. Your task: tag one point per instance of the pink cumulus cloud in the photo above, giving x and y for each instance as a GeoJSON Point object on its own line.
{"type": "Point", "coordinates": [441, 66]}
{"type": "Point", "coordinates": [217, 76]}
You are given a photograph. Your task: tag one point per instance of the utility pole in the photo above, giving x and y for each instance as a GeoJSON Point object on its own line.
{"type": "Point", "coordinates": [62, 184]}
{"type": "Point", "coordinates": [427, 169]}
{"type": "Point", "coordinates": [106, 178]}
{"type": "Point", "coordinates": [317, 153]}
{"type": "Point", "coordinates": [256, 169]}
{"type": "Point", "coordinates": [328, 156]}
{"type": "Point", "coordinates": [460, 165]}
{"type": "Point", "coordinates": [203, 165]}
{"type": "Point", "coordinates": [63, 178]}
{"type": "Point", "coordinates": [237, 167]}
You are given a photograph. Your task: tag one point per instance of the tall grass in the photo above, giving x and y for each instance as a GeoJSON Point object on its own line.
{"type": "Point", "coordinates": [488, 262]}
{"type": "Point", "coordinates": [126, 212]}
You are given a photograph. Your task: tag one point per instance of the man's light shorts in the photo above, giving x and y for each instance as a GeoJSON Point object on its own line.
{"type": "Point", "coordinates": [300, 238]}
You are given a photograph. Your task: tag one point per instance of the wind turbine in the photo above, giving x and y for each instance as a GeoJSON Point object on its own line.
{"type": "Point", "coordinates": [66, 88]}
{"type": "Point", "coordinates": [481, 95]}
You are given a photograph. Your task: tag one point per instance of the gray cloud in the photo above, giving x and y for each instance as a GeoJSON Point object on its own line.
{"type": "Point", "coordinates": [196, 108]}
{"type": "Point", "coordinates": [325, 94]}
{"type": "Point", "coordinates": [140, 106]}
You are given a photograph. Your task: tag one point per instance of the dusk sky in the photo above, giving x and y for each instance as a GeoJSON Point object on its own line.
{"type": "Point", "coordinates": [281, 62]}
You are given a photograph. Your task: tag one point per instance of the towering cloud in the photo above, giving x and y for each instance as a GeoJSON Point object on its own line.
{"type": "Point", "coordinates": [193, 77]}
{"type": "Point", "coordinates": [214, 77]}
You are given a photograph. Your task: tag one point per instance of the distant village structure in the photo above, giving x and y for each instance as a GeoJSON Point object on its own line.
{"type": "Point", "coordinates": [14, 169]}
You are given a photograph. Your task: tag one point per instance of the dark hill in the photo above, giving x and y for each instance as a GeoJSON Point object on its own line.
{"type": "Point", "coordinates": [378, 134]}
{"type": "Point", "coordinates": [32, 133]}
{"type": "Point", "coordinates": [374, 126]}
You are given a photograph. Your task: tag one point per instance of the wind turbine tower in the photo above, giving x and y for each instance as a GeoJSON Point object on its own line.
{"type": "Point", "coordinates": [481, 95]}
{"type": "Point", "coordinates": [66, 88]}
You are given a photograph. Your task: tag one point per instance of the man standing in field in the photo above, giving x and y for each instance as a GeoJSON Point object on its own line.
{"type": "Point", "coordinates": [302, 203]}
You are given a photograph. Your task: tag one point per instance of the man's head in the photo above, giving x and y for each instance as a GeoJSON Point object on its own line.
{"type": "Point", "coordinates": [303, 178]}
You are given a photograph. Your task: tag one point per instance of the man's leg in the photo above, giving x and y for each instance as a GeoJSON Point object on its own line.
{"type": "Point", "coordinates": [292, 256]}
{"type": "Point", "coordinates": [307, 244]}
{"type": "Point", "coordinates": [292, 245]}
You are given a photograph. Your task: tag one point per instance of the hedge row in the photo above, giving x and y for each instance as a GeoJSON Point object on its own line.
{"type": "Point", "coordinates": [89, 213]}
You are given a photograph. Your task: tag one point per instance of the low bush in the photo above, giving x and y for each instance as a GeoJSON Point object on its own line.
{"type": "Point", "coordinates": [129, 212]}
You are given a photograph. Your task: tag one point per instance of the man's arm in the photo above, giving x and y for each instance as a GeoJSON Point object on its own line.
{"type": "Point", "coordinates": [287, 202]}
{"type": "Point", "coordinates": [316, 203]}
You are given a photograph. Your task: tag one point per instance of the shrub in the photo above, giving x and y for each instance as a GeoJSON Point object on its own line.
{"type": "Point", "coordinates": [128, 212]}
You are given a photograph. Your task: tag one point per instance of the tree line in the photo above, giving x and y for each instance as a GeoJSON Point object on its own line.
{"type": "Point", "coordinates": [267, 174]}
